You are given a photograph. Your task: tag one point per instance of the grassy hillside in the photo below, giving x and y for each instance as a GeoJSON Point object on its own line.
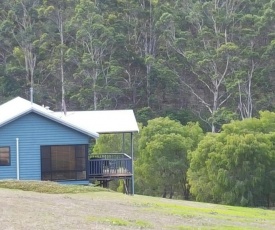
{"type": "Point", "coordinates": [78, 207]}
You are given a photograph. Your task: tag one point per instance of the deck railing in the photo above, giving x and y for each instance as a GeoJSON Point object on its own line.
{"type": "Point", "coordinates": [110, 164]}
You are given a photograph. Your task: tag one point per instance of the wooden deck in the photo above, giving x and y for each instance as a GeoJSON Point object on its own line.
{"type": "Point", "coordinates": [110, 166]}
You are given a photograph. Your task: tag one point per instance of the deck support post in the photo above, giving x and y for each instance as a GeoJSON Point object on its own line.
{"type": "Point", "coordinates": [126, 184]}
{"type": "Point", "coordinates": [123, 142]}
{"type": "Point", "coordinates": [105, 184]}
{"type": "Point", "coordinates": [132, 155]}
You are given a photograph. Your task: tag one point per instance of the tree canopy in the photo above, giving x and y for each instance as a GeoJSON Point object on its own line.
{"type": "Point", "coordinates": [236, 166]}
{"type": "Point", "coordinates": [162, 163]}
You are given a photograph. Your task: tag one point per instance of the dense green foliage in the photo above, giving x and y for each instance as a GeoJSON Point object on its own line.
{"type": "Point", "coordinates": [237, 165]}
{"type": "Point", "coordinates": [212, 58]}
{"type": "Point", "coordinates": [162, 163]}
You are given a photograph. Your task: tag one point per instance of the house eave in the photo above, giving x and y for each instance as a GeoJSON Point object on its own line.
{"type": "Point", "coordinates": [15, 117]}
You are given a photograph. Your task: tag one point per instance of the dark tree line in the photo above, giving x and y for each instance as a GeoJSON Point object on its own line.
{"type": "Point", "coordinates": [213, 59]}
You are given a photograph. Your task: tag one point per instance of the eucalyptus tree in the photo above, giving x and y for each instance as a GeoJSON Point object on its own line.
{"type": "Point", "coordinates": [8, 80]}
{"type": "Point", "coordinates": [55, 15]}
{"type": "Point", "coordinates": [23, 22]}
{"type": "Point", "coordinates": [253, 35]}
{"type": "Point", "coordinates": [146, 79]}
{"type": "Point", "coordinates": [264, 99]}
{"type": "Point", "coordinates": [91, 51]}
{"type": "Point", "coordinates": [148, 41]}
{"type": "Point", "coordinates": [201, 33]}
{"type": "Point", "coordinates": [139, 33]}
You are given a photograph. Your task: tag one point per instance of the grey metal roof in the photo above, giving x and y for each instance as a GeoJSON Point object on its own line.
{"type": "Point", "coordinates": [18, 107]}
{"type": "Point", "coordinates": [105, 121]}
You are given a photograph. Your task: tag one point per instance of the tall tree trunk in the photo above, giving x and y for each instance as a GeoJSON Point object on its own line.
{"type": "Point", "coordinates": [61, 35]}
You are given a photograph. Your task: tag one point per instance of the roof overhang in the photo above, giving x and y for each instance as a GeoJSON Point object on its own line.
{"type": "Point", "coordinates": [103, 122]}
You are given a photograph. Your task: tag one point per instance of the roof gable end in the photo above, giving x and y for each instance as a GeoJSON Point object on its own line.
{"type": "Point", "coordinates": [18, 107]}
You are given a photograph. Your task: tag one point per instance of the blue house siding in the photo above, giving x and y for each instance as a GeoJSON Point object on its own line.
{"type": "Point", "coordinates": [33, 131]}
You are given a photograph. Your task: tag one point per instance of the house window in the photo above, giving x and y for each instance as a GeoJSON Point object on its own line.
{"type": "Point", "coordinates": [5, 156]}
{"type": "Point", "coordinates": [64, 162]}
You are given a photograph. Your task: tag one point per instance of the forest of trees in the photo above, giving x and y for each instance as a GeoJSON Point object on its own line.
{"type": "Point", "coordinates": [207, 60]}
{"type": "Point", "coordinates": [204, 61]}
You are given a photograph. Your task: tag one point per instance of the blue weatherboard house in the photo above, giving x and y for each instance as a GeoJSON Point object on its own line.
{"type": "Point", "coordinates": [39, 144]}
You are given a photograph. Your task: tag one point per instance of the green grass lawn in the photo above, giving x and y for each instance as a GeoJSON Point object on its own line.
{"type": "Point", "coordinates": [48, 187]}
{"type": "Point", "coordinates": [194, 215]}
{"type": "Point", "coordinates": [203, 215]}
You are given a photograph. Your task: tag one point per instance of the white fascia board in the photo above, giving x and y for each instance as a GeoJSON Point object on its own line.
{"type": "Point", "coordinates": [12, 118]}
